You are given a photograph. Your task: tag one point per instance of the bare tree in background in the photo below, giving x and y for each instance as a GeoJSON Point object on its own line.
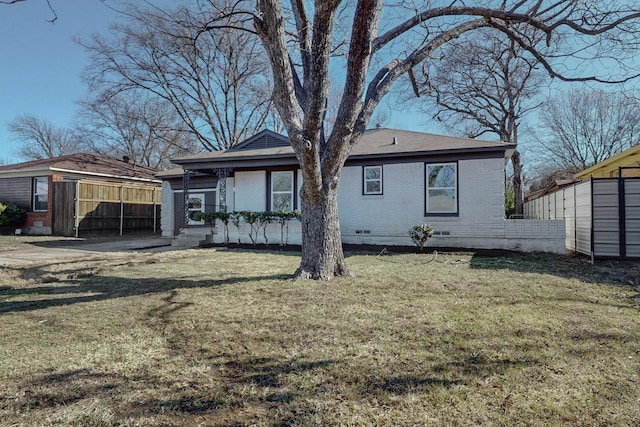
{"type": "Point", "coordinates": [583, 127]}
{"type": "Point", "coordinates": [217, 82]}
{"type": "Point", "coordinates": [302, 42]}
{"type": "Point", "coordinates": [483, 84]}
{"type": "Point", "coordinates": [147, 130]}
{"type": "Point", "coordinates": [41, 139]}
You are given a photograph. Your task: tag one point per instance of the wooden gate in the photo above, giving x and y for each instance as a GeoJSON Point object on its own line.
{"type": "Point", "coordinates": [64, 195]}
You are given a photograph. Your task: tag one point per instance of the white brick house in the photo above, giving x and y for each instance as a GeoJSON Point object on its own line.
{"type": "Point", "coordinates": [392, 181]}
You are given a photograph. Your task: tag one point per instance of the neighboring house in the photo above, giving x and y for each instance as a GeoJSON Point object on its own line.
{"type": "Point", "coordinates": [628, 160]}
{"type": "Point", "coordinates": [602, 212]}
{"type": "Point", "coordinates": [65, 195]}
{"type": "Point", "coordinates": [392, 181]}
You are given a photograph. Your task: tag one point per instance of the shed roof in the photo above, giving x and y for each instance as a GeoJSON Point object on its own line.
{"type": "Point", "coordinates": [628, 158]}
{"type": "Point", "coordinates": [83, 164]}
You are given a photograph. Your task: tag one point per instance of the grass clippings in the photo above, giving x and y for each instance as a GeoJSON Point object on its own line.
{"type": "Point", "coordinates": [215, 337]}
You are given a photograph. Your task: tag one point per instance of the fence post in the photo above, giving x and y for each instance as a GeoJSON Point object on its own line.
{"type": "Point", "coordinates": [155, 219]}
{"type": "Point", "coordinates": [76, 216]}
{"type": "Point", "coordinates": [622, 216]}
{"type": "Point", "coordinates": [121, 208]}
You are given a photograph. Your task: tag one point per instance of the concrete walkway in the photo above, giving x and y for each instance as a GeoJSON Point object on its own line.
{"type": "Point", "coordinates": [64, 250]}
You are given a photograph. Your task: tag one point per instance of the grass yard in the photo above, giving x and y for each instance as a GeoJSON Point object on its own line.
{"type": "Point", "coordinates": [19, 242]}
{"type": "Point", "coordinates": [225, 338]}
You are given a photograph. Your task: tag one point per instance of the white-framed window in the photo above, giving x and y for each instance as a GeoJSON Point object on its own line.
{"type": "Point", "coordinates": [40, 193]}
{"type": "Point", "coordinates": [195, 204]}
{"type": "Point", "coordinates": [372, 180]}
{"type": "Point", "coordinates": [282, 191]}
{"type": "Point", "coordinates": [441, 188]}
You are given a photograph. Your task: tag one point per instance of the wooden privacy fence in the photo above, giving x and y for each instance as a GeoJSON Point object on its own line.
{"type": "Point", "coordinates": [602, 216]}
{"type": "Point", "coordinates": [90, 207]}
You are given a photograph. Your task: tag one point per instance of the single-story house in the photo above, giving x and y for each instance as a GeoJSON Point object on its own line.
{"type": "Point", "coordinates": [64, 195]}
{"type": "Point", "coordinates": [392, 181]}
{"type": "Point", "coordinates": [601, 210]}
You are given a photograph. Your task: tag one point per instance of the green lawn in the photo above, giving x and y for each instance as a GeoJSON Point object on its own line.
{"type": "Point", "coordinates": [214, 337]}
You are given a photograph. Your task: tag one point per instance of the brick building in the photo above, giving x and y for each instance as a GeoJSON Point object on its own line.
{"type": "Point", "coordinates": [30, 185]}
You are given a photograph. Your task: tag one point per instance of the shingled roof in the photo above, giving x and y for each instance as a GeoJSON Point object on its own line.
{"type": "Point", "coordinates": [84, 165]}
{"type": "Point", "coordinates": [267, 147]}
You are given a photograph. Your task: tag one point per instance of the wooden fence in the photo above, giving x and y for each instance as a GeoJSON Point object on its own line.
{"type": "Point", "coordinates": [91, 207]}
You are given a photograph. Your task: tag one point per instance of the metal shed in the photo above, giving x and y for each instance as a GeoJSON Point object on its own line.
{"type": "Point", "coordinates": [602, 216]}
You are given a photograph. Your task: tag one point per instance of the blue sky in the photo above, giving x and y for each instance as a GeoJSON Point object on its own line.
{"type": "Point", "coordinates": [40, 64]}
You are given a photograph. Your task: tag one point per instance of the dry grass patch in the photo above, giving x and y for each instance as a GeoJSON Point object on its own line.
{"type": "Point", "coordinates": [18, 242]}
{"type": "Point", "coordinates": [211, 337]}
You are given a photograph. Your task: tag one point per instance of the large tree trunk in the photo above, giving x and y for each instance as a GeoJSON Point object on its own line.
{"type": "Point", "coordinates": [322, 255]}
{"type": "Point", "coordinates": [517, 183]}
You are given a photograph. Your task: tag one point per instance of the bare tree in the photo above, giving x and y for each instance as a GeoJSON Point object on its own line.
{"type": "Point", "coordinates": [300, 44]}
{"type": "Point", "coordinates": [54, 17]}
{"type": "Point", "coordinates": [584, 127]}
{"type": "Point", "coordinates": [41, 139]}
{"type": "Point", "coordinates": [546, 175]}
{"type": "Point", "coordinates": [148, 131]}
{"type": "Point", "coordinates": [483, 84]}
{"type": "Point", "coordinates": [217, 82]}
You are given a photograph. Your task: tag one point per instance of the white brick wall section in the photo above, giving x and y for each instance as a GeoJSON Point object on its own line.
{"type": "Point", "coordinates": [386, 219]}
{"type": "Point", "coordinates": [167, 211]}
{"type": "Point", "coordinates": [391, 215]}
{"type": "Point", "coordinates": [251, 191]}
{"type": "Point", "coordinates": [231, 194]}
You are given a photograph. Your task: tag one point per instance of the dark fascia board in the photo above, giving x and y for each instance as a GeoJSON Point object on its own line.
{"type": "Point", "coordinates": [430, 156]}
{"type": "Point", "coordinates": [240, 162]}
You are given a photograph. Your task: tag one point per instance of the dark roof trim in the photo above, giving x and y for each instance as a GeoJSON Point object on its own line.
{"type": "Point", "coordinates": [241, 162]}
{"type": "Point", "coordinates": [428, 156]}
{"type": "Point", "coordinates": [289, 159]}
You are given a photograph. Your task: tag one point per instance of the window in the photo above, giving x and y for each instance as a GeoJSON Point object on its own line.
{"type": "Point", "coordinates": [442, 188]}
{"type": "Point", "coordinates": [372, 180]}
{"type": "Point", "coordinates": [40, 193]}
{"type": "Point", "coordinates": [282, 191]}
{"type": "Point", "coordinates": [195, 205]}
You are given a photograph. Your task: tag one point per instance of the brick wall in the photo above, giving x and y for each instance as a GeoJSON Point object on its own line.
{"type": "Point", "coordinates": [386, 219]}
{"type": "Point", "coordinates": [41, 222]}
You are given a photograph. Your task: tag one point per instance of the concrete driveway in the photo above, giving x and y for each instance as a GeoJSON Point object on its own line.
{"type": "Point", "coordinates": [65, 249]}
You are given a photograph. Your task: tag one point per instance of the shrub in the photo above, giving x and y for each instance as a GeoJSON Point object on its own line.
{"type": "Point", "coordinates": [11, 215]}
{"type": "Point", "coordinates": [420, 234]}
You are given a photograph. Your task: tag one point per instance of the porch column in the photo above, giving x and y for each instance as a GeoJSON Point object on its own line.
{"type": "Point", "coordinates": [222, 174]}
{"type": "Point", "coordinates": [186, 178]}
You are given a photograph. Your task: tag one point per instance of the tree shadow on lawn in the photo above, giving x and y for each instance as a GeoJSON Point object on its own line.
{"type": "Point", "coordinates": [611, 272]}
{"type": "Point", "coordinates": [244, 391]}
{"type": "Point", "coordinates": [100, 288]}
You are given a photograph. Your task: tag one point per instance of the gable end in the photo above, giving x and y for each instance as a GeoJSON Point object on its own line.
{"type": "Point", "coordinates": [262, 140]}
